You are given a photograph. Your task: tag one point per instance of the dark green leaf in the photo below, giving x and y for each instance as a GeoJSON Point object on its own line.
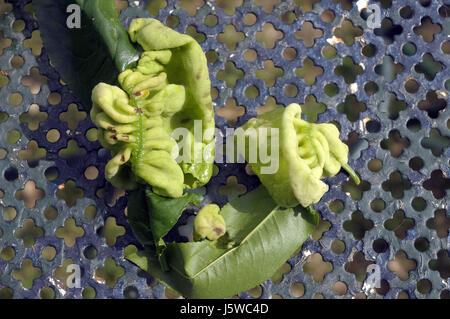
{"type": "Point", "coordinates": [164, 212]}
{"type": "Point", "coordinates": [261, 237]}
{"type": "Point", "coordinates": [138, 217]}
{"type": "Point", "coordinates": [97, 52]}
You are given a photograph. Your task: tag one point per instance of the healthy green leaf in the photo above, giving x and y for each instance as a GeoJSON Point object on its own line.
{"type": "Point", "coordinates": [97, 52]}
{"type": "Point", "coordinates": [260, 238]}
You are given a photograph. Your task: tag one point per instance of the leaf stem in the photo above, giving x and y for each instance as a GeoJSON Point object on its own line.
{"type": "Point", "coordinates": [352, 173]}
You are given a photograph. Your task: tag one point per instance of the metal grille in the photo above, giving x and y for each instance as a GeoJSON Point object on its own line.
{"type": "Point", "coordinates": [386, 88]}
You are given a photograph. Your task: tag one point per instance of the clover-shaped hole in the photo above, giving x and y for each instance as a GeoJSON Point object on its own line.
{"type": "Point", "coordinates": [348, 32]}
{"type": "Point", "coordinates": [349, 70]}
{"type": "Point", "coordinates": [395, 143]}
{"type": "Point", "coordinates": [70, 232]}
{"type": "Point", "coordinates": [231, 112]}
{"type": "Point", "coordinates": [399, 224]}
{"type": "Point", "coordinates": [358, 225]}
{"type": "Point", "coordinates": [436, 142]}
{"type": "Point", "coordinates": [27, 273]}
{"type": "Point", "coordinates": [110, 273]}
{"type": "Point", "coordinates": [309, 71]}
{"type": "Point", "coordinates": [230, 74]}
{"type": "Point", "coordinates": [317, 267]}
{"type": "Point", "coordinates": [358, 266]}
{"type": "Point", "coordinates": [29, 232]}
{"type": "Point", "coordinates": [437, 184]}
{"type": "Point", "coordinates": [111, 231]}
{"type": "Point", "coordinates": [441, 264]}
{"type": "Point", "coordinates": [69, 192]}
{"type": "Point", "coordinates": [401, 265]}
{"type": "Point", "coordinates": [439, 223]}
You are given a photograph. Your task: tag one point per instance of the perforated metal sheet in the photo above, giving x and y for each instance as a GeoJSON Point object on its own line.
{"type": "Point", "coordinates": [395, 225]}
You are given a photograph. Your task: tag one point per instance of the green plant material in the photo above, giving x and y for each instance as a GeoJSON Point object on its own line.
{"type": "Point", "coordinates": [209, 223]}
{"type": "Point", "coordinates": [154, 216]}
{"type": "Point", "coordinates": [260, 238]}
{"type": "Point", "coordinates": [167, 91]}
{"type": "Point", "coordinates": [308, 152]}
{"type": "Point", "coordinates": [94, 53]}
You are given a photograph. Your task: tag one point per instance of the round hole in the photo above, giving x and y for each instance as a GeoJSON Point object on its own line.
{"type": "Point", "coordinates": [377, 205]}
{"type": "Point", "coordinates": [91, 173]}
{"type": "Point", "coordinates": [413, 125]}
{"type": "Point", "coordinates": [211, 20]}
{"type": "Point", "coordinates": [369, 50]}
{"type": "Point", "coordinates": [336, 206]}
{"type": "Point", "coordinates": [51, 173]}
{"type": "Point", "coordinates": [421, 244]}
{"type": "Point", "coordinates": [250, 55]}
{"type": "Point", "coordinates": [424, 286]}
{"type": "Point", "coordinates": [212, 56]}
{"type": "Point", "coordinates": [91, 135]}
{"type": "Point", "coordinates": [249, 19]}
{"type": "Point", "coordinates": [172, 21]}
{"type": "Point", "coordinates": [90, 212]}
{"type": "Point", "coordinates": [375, 165]}
{"type": "Point", "coordinates": [297, 290]}
{"type": "Point", "coordinates": [373, 126]}
{"type": "Point", "coordinates": [329, 52]}
{"type": "Point", "coordinates": [48, 253]}
{"type": "Point", "coordinates": [131, 292]}
{"type": "Point", "coordinates": [411, 86]}
{"type": "Point", "coordinates": [50, 213]}
{"type": "Point", "coordinates": [331, 89]}
{"type": "Point", "coordinates": [289, 54]}
{"type": "Point", "coordinates": [288, 17]}
{"type": "Point", "coordinates": [54, 98]}
{"type": "Point", "coordinates": [406, 12]}
{"type": "Point", "coordinates": [339, 288]}
{"type": "Point", "coordinates": [327, 16]}
{"type": "Point", "coordinates": [15, 99]}
{"type": "Point", "coordinates": [90, 252]}
{"type": "Point", "coordinates": [9, 213]}
{"type": "Point", "coordinates": [13, 136]}
{"type": "Point", "coordinates": [19, 25]}
{"type": "Point", "coordinates": [371, 88]}
{"type": "Point", "coordinates": [291, 90]}
{"type": "Point", "coordinates": [53, 136]}
{"type": "Point", "coordinates": [8, 253]}
{"type": "Point", "coordinates": [416, 163]}
{"type": "Point", "coordinates": [445, 47]}
{"type": "Point", "coordinates": [337, 246]}
{"type": "Point", "coordinates": [11, 174]}
{"type": "Point", "coordinates": [425, 3]}
{"type": "Point", "coordinates": [17, 62]}
{"type": "Point", "coordinates": [409, 49]}
{"type": "Point", "coordinates": [419, 204]}
{"type": "Point", "coordinates": [251, 92]}
{"type": "Point", "coordinates": [380, 245]}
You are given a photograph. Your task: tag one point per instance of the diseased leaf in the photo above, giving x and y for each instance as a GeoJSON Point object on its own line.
{"type": "Point", "coordinates": [94, 53]}
{"type": "Point", "coordinates": [260, 238]}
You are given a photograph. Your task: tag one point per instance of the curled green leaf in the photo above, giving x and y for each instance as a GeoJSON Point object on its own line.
{"type": "Point", "coordinates": [307, 153]}
{"type": "Point", "coordinates": [168, 91]}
